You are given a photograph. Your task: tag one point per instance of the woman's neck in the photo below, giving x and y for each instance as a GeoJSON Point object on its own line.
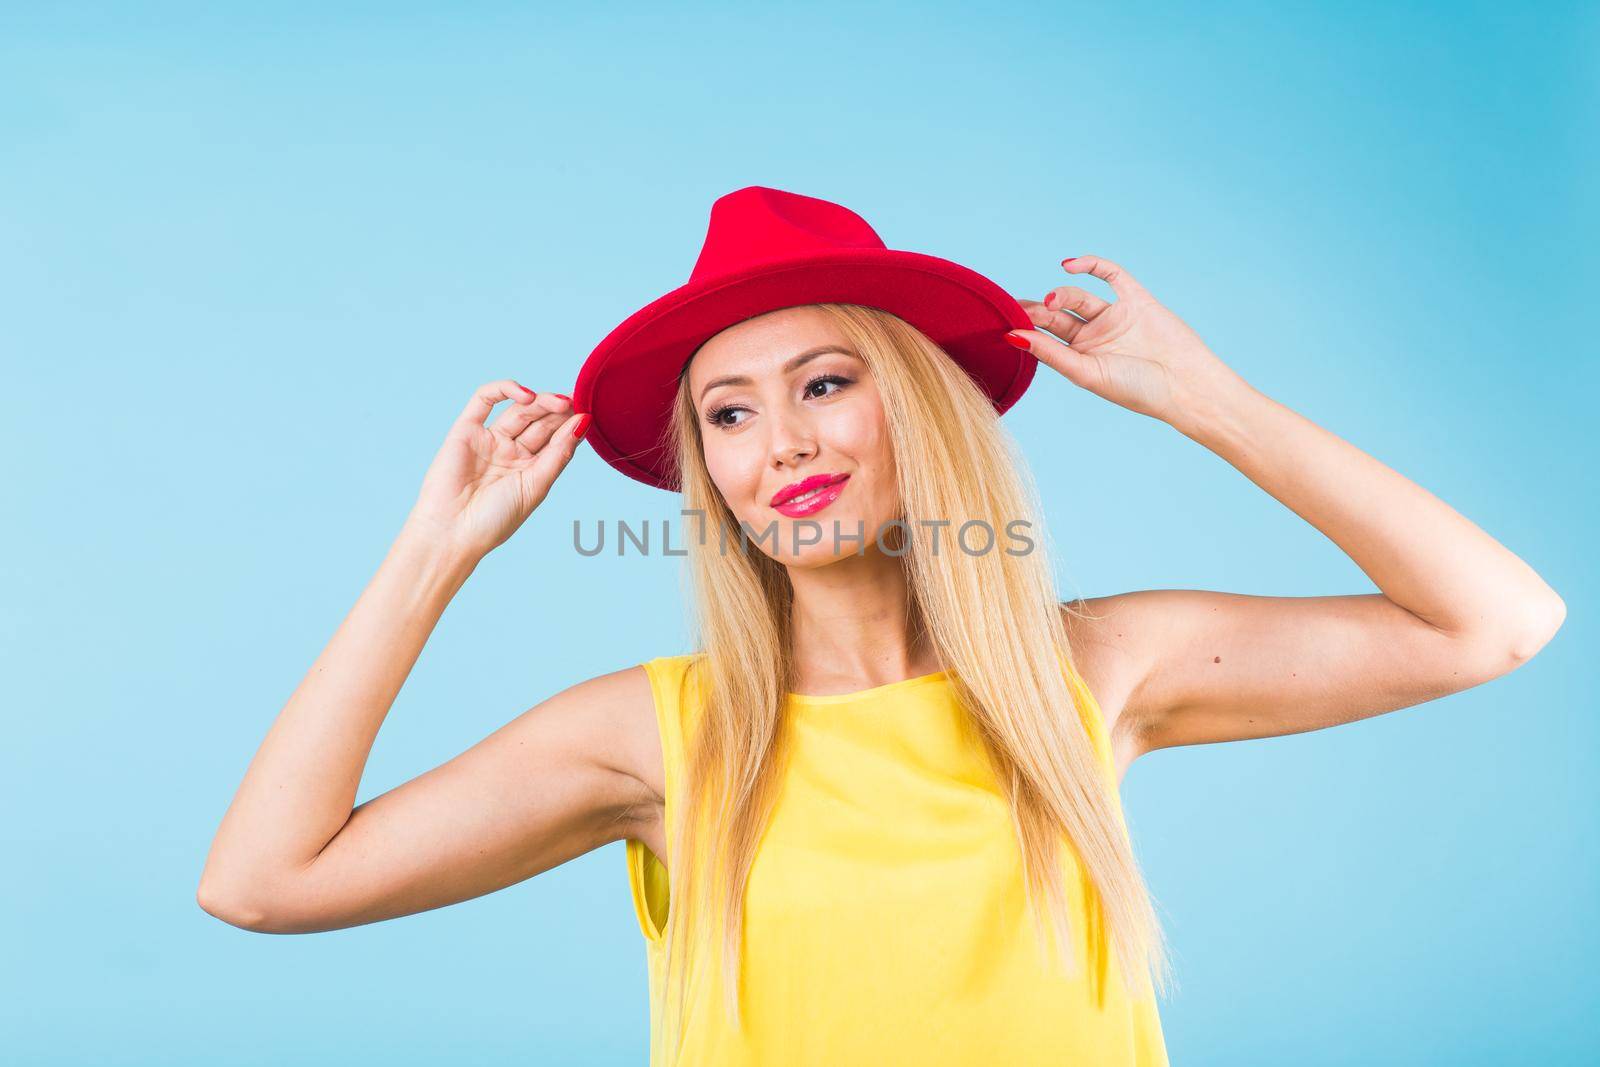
{"type": "Point", "coordinates": [852, 627]}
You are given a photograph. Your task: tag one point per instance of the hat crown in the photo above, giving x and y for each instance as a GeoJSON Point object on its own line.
{"type": "Point", "coordinates": [765, 249]}
{"type": "Point", "coordinates": [758, 224]}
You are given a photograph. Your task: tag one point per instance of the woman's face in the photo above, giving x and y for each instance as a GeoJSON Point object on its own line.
{"type": "Point", "coordinates": [781, 399]}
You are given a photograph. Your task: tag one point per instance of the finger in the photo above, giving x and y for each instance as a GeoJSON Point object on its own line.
{"type": "Point", "coordinates": [1063, 324]}
{"type": "Point", "coordinates": [1080, 302]}
{"type": "Point", "coordinates": [1053, 352]}
{"type": "Point", "coordinates": [549, 411]}
{"type": "Point", "coordinates": [557, 401]}
{"type": "Point", "coordinates": [487, 396]}
{"type": "Point", "coordinates": [539, 431]}
{"type": "Point", "coordinates": [522, 414]}
{"type": "Point", "coordinates": [554, 456]}
{"type": "Point", "coordinates": [1122, 283]}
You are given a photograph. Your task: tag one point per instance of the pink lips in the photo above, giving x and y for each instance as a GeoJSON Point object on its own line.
{"type": "Point", "coordinates": [827, 486]}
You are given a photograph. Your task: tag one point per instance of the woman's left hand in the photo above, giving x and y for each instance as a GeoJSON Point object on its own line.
{"type": "Point", "coordinates": [1133, 352]}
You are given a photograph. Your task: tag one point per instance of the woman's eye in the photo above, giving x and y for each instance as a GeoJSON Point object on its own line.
{"type": "Point", "coordinates": [717, 416]}
{"type": "Point", "coordinates": [826, 379]}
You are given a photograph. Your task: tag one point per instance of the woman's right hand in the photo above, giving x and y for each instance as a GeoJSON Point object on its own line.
{"type": "Point", "coordinates": [486, 480]}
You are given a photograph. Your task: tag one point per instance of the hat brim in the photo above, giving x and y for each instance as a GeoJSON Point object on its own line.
{"type": "Point", "coordinates": [630, 380]}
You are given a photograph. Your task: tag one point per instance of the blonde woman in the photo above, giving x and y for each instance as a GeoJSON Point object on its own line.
{"type": "Point", "coordinates": [873, 817]}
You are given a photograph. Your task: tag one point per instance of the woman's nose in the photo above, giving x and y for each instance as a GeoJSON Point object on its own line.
{"type": "Point", "coordinates": [792, 442]}
{"type": "Point", "coordinates": [792, 455]}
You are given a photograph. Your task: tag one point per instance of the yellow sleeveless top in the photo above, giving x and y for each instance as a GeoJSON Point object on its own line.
{"type": "Point", "coordinates": [885, 916]}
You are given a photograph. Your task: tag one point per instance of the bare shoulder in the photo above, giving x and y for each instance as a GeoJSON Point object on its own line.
{"type": "Point", "coordinates": [628, 741]}
{"type": "Point", "coordinates": [627, 703]}
{"type": "Point", "coordinates": [1111, 639]}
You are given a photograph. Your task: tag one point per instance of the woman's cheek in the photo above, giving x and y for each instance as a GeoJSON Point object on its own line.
{"type": "Point", "coordinates": [730, 473]}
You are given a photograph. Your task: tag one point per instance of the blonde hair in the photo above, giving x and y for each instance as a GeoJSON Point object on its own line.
{"type": "Point", "coordinates": [996, 622]}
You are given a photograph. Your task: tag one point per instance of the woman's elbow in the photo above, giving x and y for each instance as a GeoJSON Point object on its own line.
{"type": "Point", "coordinates": [1541, 617]}
{"type": "Point", "coordinates": [232, 909]}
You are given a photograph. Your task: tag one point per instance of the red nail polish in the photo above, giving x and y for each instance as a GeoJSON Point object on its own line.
{"type": "Point", "coordinates": [583, 427]}
{"type": "Point", "coordinates": [563, 396]}
{"type": "Point", "coordinates": [1018, 340]}
{"type": "Point", "coordinates": [531, 394]}
{"type": "Point", "coordinates": [1069, 259]}
{"type": "Point", "coordinates": [1049, 300]}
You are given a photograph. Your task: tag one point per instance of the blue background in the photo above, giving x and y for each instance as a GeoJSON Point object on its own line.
{"type": "Point", "coordinates": [253, 264]}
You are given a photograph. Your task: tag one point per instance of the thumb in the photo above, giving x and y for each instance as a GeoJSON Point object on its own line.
{"type": "Point", "coordinates": [1056, 353]}
{"type": "Point", "coordinates": [556, 454]}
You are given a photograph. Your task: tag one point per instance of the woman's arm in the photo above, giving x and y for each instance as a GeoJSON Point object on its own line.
{"type": "Point", "coordinates": [299, 788]}
{"type": "Point", "coordinates": [294, 805]}
{"type": "Point", "coordinates": [1456, 609]}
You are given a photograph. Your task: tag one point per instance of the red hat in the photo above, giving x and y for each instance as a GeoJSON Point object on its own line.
{"type": "Point", "coordinates": [767, 249]}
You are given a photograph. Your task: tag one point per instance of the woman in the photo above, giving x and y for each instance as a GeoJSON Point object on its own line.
{"type": "Point", "coordinates": [881, 797]}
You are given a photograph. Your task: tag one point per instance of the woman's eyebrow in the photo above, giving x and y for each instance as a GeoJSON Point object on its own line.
{"type": "Point", "coordinates": [800, 360]}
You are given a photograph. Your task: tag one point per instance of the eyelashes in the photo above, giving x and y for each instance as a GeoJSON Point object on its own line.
{"type": "Point", "coordinates": [715, 414]}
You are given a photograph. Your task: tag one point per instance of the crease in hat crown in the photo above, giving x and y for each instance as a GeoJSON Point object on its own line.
{"type": "Point", "coordinates": [761, 224]}
{"type": "Point", "coordinates": [767, 249]}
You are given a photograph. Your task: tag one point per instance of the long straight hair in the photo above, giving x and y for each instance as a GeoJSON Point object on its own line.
{"type": "Point", "coordinates": [994, 619]}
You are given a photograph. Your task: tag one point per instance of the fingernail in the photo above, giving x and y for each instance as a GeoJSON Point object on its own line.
{"type": "Point", "coordinates": [1017, 339]}
{"type": "Point", "coordinates": [563, 396]}
{"type": "Point", "coordinates": [1069, 259]}
{"type": "Point", "coordinates": [583, 426]}
{"type": "Point", "coordinates": [525, 389]}
{"type": "Point", "coordinates": [1050, 300]}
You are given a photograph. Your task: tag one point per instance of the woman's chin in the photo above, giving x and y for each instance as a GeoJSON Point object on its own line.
{"type": "Point", "coordinates": [823, 539]}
